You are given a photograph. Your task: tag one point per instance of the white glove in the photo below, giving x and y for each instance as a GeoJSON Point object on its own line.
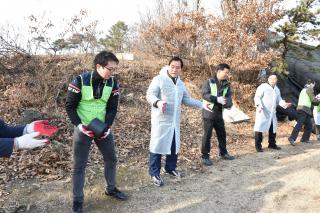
{"type": "Point", "coordinates": [222, 100]}
{"type": "Point", "coordinates": [84, 129]}
{"type": "Point", "coordinates": [105, 134]}
{"type": "Point", "coordinates": [29, 141]}
{"type": "Point", "coordinates": [161, 105]}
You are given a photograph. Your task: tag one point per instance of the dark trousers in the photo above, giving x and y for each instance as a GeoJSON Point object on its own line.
{"type": "Point", "coordinates": [208, 126]}
{"type": "Point", "coordinates": [171, 161]}
{"type": "Point", "coordinates": [317, 127]}
{"type": "Point", "coordinates": [258, 137]}
{"type": "Point", "coordinates": [303, 118]}
{"type": "Point", "coordinates": [81, 148]}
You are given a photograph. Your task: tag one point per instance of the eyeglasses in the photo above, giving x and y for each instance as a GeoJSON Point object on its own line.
{"type": "Point", "coordinates": [111, 69]}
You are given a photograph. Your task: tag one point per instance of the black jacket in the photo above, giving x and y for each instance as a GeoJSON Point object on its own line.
{"type": "Point", "coordinates": [7, 135]}
{"type": "Point", "coordinates": [206, 95]}
{"type": "Point", "coordinates": [98, 83]}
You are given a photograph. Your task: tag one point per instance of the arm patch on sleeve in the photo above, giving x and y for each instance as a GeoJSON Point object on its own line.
{"type": "Point", "coordinates": [73, 88]}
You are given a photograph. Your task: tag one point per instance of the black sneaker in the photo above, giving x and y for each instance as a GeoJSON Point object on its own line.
{"type": "Point", "coordinates": [206, 162]}
{"type": "Point", "coordinates": [226, 157]}
{"type": "Point", "coordinates": [117, 194]}
{"type": "Point", "coordinates": [259, 149]}
{"type": "Point", "coordinates": [157, 180]}
{"type": "Point", "coordinates": [77, 207]}
{"type": "Point", "coordinates": [173, 173]}
{"type": "Point", "coordinates": [291, 141]}
{"type": "Point", "coordinates": [274, 147]}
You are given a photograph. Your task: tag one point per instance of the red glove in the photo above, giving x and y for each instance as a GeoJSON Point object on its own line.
{"type": "Point", "coordinates": [41, 126]}
{"type": "Point", "coordinates": [161, 105]}
{"type": "Point", "coordinates": [84, 129]}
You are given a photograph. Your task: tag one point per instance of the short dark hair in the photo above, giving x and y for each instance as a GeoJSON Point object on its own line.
{"type": "Point", "coordinates": [222, 67]}
{"type": "Point", "coordinates": [272, 73]}
{"type": "Point", "coordinates": [104, 57]}
{"type": "Point", "coordinates": [175, 58]}
{"type": "Point", "coordinates": [310, 81]}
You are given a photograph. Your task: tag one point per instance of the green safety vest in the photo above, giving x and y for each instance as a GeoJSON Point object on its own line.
{"type": "Point", "coordinates": [214, 92]}
{"type": "Point", "coordinates": [304, 99]}
{"type": "Point", "coordinates": [89, 107]}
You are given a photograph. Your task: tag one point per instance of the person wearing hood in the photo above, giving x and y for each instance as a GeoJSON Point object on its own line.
{"type": "Point", "coordinates": [94, 96]}
{"type": "Point", "coordinates": [24, 136]}
{"type": "Point", "coordinates": [304, 113]}
{"type": "Point", "coordinates": [266, 100]}
{"type": "Point", "coordinates": [217, 95]}
{"type": "Point", "coordinates": [165, 94]}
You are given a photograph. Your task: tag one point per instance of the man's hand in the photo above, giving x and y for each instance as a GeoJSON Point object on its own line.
{"type": "Point", "coordinates": [29, 141]}
{"type": "Point", "coordinates": [84, 129]}
{"type": "Point", "coordinates": [161, 105]}
{"type": "Point", "coordinates": [222, 100]}
{"type": "Point", "coordinates": [287, 104]}
{"type": "Point", "coordinates": [105, 134]}
{"type": "Point", "coordinates": [41, 126]}
{"type": "Point", "coordinates": [206, 107]}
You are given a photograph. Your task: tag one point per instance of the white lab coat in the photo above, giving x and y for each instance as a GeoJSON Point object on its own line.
{"type": "Point", "coordinates": [316, 115]}
{"type": "Point", "coordinates": [268, 98]}
{"type": "Point", "coordinates": [164, 125]}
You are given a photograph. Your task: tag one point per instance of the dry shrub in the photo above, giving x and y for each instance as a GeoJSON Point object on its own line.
{"type": "Point", "coordinates": [243, 95]}
{"type": "Point", "coordinates": [239, 38]}
{"type": "Point", "coordinates": [19, 95]}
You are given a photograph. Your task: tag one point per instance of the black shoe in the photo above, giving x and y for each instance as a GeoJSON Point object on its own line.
{"type": "Point", "coordinates": [259, 149]}
{"type": "Point", "coordinates": [173, 173]}
{"type": "Point", "coordinates": [157, 180]}
{"type": "Point", "coordinates": [291, 141]}
{"type": "Point", "coordinates": [116, 194]}
{"type": "Point", "coordinates": [206, 162]}
{"type": "Point", "coordinates": [305, 141]}
{"type": "Point", "coordinates": [77, 207]}
{"type": "Point", "coordinates": [226, 157]}
{"type": "Point", "coordinates": [274, 147]}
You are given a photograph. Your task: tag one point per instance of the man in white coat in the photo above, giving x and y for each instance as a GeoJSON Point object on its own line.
{"type": "Point", "coordinates": [166, 93]}
{"type": "Point", "coordinates": [266, 99]}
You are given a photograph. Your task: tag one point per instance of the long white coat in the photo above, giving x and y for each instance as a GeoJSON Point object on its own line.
{"type": "Point", "coordinates": [316, 115]}
{"type": "Point", "coordinates": [164, 125]}
{"type": "Point", "coordinates": [267, 97]}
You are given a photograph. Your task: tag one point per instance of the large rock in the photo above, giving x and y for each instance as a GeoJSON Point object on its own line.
{"type": "Point", "coordinates": [304, 64]}
{"type": "Point", "coordinates": [31, 115]}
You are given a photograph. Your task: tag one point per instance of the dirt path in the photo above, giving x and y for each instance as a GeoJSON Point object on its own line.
{"type": "Point", "coordinates": [272, 181]}
{"type": "Point", "coordinates": [285, 181]}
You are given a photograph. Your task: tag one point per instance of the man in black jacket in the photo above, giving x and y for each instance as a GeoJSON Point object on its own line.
{"type": "Point", "coordinates": [94, 95]}
{"type": "Point", "coordinates": [216, 94]}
